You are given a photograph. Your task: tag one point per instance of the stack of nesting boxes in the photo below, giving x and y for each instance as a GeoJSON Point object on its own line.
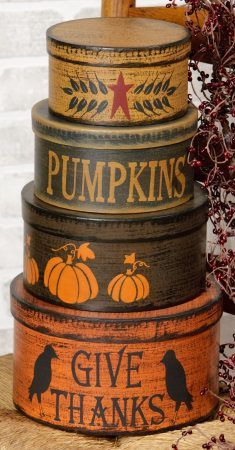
{"type": "Point", "coordinates": [114, 330]}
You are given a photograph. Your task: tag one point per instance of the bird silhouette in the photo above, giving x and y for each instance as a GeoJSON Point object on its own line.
{"type": "Point", "coordinates": [176, 382]}
{"type": "Point", "coordinates": [42, 374]}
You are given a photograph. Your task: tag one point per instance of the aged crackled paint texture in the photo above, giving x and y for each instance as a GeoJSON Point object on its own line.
{"type": "Point", "coordinates": [112, 170]}
{"type": "Point", "coordinates": [101, 80]}
{"type": "Point", "coordinates": [115, 331]}
{"type": "Point", "coordinates": [112, 373]}
{"type": "Point", "coordinates": [174, 240]}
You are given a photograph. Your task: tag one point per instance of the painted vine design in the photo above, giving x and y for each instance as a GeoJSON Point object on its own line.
{"type": "Point", "coordinates": [155, 105]}
{"type": "Point", "coordinates": [81, 105]}
{"type": "Point", "coordinates": [161, 91]}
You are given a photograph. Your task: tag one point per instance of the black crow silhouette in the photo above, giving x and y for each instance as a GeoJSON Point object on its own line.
{"type": "Point", "coordinates": [42, 373]}
{"type": "Point", "coordinates": [176, 381]}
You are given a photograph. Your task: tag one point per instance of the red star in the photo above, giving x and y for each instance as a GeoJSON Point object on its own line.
{"type": "Point", "coordinates": [119, 99]}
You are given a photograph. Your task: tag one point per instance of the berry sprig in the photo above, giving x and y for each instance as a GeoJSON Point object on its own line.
{"type": "Point", "coordinates": [227, 405]}
{"type": "Point", "coordinates": [212, 150]}
{"type": "Point", "coordinates": [214, 442]}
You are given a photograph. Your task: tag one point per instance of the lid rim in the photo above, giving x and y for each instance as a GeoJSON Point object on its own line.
{"type": "Point", "coordinates": [95, 48]}
{"type": "Point", "coordinates": [57, 40]}
{"type": "Point", "coordinates": [62, 131]}
{"type": "Point", "coordinates": [30, 201]}
{"type": "Point", "coordinates": [89, 316]}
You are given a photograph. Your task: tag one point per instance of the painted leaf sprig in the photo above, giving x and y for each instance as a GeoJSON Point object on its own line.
{"type": "Point", "coordinates": [84, 252]}
{"type": "Point", "coordinates": [129, 259]}
{"type": "Point", "coordinates": [102, 86]}
{"type": "Point", "coordinates": [78, 91]}
{"type": "Point", "coordinates": [159, 100]}
{"type": "Point", "coordinates": [102, 106]}
{"type": "Point", "coordinates": [92, 87]}
{"type": "Point", "coordinates": [84, 87]}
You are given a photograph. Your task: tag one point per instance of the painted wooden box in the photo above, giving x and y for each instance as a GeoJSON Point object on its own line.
{"type": "Point", "coordinates": [113, 374]}
{"type": "Point", "coordinates": [118, 71]}
{"type": "Point", "coordinates": [110, 262]}
{"type": "Point", "coordinates": [112, 170]}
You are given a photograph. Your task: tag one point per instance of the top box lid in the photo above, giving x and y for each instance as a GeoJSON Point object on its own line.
{"type": "Point", "coordinates": [118, 34]}
{"type": "Point", "coordinates": [118, 64]}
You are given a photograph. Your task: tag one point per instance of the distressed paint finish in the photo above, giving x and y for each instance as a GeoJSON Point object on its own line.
{"type": "Point", "coordinates": [93, 180]}
{"type": "Point", "coordinates": [164, 250]}
{"type": "Point", "coordinates": [128, 170]}
{"type": "Point", "coordinates": [118, 71]}
{"type": "Point", "coordinates": [107, 373]}
{"type": "Point", "coordinates": [81, 362]}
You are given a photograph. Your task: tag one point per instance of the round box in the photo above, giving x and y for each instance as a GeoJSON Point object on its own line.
{"type": "Point", "coordinates": [110, 262]}
{"type": "Point", "coordinates": [112, 170]}
{"type": "Point", "coordinates": [115, 373]}
{"type": "Point", "coordinates": [118, 71]}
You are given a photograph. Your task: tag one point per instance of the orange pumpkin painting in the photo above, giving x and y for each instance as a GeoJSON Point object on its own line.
{"type": "Point", "coordinates": [128, 287]}
{"type": "Point", "coordinates": [31, 271]}
{"type": "Point", "coordinates": [70, 281]}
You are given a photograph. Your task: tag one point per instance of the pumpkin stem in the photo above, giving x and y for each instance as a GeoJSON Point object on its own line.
{"type": "Point", "coordinates": [70, 259]}
{"type": "Point", "coordinates": [71, 253]}
{"type": "Point", "coordinates": [130, 272]}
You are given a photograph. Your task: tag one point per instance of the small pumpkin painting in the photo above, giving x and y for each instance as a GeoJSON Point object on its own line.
{"type": "Point", "coordinates": [31, 271]}
{"type": "Point", "coordinates": [70, 281]}
{"type": "Point", "coordinates": [128, 287]}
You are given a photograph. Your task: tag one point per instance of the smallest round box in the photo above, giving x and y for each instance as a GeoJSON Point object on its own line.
{"type": "Point", "coordinates": [110, 71]}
